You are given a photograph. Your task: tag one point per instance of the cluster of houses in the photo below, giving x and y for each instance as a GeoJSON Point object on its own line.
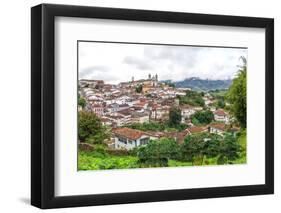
{"type": "Point", "coordinates": [122, 104]}
{"type": "Point", "coordinates": [127, 138]}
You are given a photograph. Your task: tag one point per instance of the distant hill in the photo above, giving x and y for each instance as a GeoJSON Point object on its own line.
{"type": "Point", "coordinates": [201, 84]}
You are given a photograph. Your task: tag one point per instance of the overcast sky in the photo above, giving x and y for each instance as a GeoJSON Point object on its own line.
{"type": "Point", "coordinates": [118, 62]}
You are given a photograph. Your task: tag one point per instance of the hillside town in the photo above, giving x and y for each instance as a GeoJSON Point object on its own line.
{"type": "Point", "coordinates": [140, 101]}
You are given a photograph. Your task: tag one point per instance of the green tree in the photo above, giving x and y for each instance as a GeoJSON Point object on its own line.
{"type": "Point", "coordinates": [192, 98]}
{"type": "Point", "coordinates": [198, 146]}
{"type": "Point", "coordinates": [158, 152]}
{"type": "Point", "coordinates": [194, 147]}
{"type": "Point", "coordinates": [174, 117]}
{"type": "Point", "coordinates": [229, 149]}
{"type": "Point", "coordinates": [81, 102]}
{"type": "Point", "coordinates": [202, 117]}
{"type": "Point", "coordinates": [237, 95]}
{"type": "Point", "coordinates": [90, 129]}
{"type": "Point", "coordinates": [220, 104]}
{"type": "Point", "coordinates": [139, 88]}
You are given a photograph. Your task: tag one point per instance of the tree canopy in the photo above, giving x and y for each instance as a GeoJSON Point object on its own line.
{"type": "Point", "coordinates": [237, 95]}
{"type": "Point", "coordinates": [174, 117]}
{"type": "Point", "coordinates": [91, 129]}
{"type": "Point", "coordinates": [192, 98]}
{"type": "Point", "coordinates": [139, 88]}
{"type": "Point", "coordinates": [81, 102]}
{"type": "Point", "coordinates": [202, 117]}
{"type": "Point", "coordinates": [158, 152]}
{"type": "Point", "coordinates": [200, 145]}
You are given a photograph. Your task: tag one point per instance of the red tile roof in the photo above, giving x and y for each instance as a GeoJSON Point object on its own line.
{"type": "Point", "coordinates": [220, 112]}
{"type": "Point", "coordinates": [128, 133]}
{"type": "Point", "coordinates": [220, 126]}
{"type": "Point", "coordinates": [196, 129]}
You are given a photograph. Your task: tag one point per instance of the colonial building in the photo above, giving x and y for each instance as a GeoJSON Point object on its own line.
{"type": "Point", "coordinates": [221, 115]}
{"type": "Point", "coordinates": [98, 109]}
{"type": "Point", "coordinates": [186, 112]}
{"type": "Point", "coordinates": [126, 138]}
{"type": "Point", "coordinates": [217, 128]}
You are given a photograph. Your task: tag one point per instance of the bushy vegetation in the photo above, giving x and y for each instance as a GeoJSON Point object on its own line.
{"type": "Point", "coordinates": [81, 102]}
{"type": "Point", "coordinates": [237, 95]}
{"type": "Point", "coordinates": [94, 161]}
{"type": "Point", "coordinates": [138, 88]}
{"type": "Point", "coordinates": [202, 117]}
{"type": "Point", "coordinates": [197, 149]}
{"type": "Point", "coordinates": [192, 98]}
{"type": "Point", "coordinates": [90, 128]}
{"type": "Point", "coordinates": [158, 152]}
{"type": "Point", "coordinates": [174, 117]}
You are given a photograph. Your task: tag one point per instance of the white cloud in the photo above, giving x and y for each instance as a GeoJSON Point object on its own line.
{"type": "Point", "coordinates": [117, 62]}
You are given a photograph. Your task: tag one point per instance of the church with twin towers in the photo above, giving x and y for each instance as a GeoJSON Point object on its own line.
{"type": "Point", "coordinates": [150, 81]}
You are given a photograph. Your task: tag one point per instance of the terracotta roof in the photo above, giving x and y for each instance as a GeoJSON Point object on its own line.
{"type": "Point", "coordinates": [196, 129]}
{"type": "Point", "coordinates": [220, 126]}
{"type": "Point", "coordinates": [128, 133]}
{"type": "Point", "coordinates": [185, 106]}
{"type": "Point", "coordinates": [220, 112]}
{"type": "Point", "coordinates": [181, 135]}
{"type": "Point", "coordinates": [158, 134]}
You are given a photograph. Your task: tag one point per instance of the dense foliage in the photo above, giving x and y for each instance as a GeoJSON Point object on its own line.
{"type": "Point", "coordinates": [81, 102]}
{"type": "Point", "coordinates": [174, 117]}
{"type": "Point", "coordinates": [192, 98]}
{"type": "Point", "coordinates": [198, 146]}
{"type": "Point", "coordinates": [138, 88]}
{"type": "Point", "coordinates": [91, 129]}
{"type": "Point", "coordinates": [158, 152]}
{"type": "Point", "coordinates": [237, 95]}
{"type": "Point", "coordinates": [202, 117]}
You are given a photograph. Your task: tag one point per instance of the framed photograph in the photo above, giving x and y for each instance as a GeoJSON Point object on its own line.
{"type": "Point", "coordinates": [136, 106]}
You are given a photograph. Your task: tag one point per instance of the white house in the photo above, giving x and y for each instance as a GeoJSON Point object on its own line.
{"type": "Point", "coordinates": [126, 138]}
{"type": "Point", "coordinates": [186, 112]}
{"type": "Point", "coordinates": [160, 112]}
{"type": "Point", "coordinates": [217, 128]}
{"type": "Point", "coordinates": [221, 116]}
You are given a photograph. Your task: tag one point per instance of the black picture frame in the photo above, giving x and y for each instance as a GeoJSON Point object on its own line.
{"type": "Point", "coordinates": [43, 102]}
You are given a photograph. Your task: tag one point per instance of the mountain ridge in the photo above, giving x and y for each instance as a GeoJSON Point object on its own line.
{"type": "Point", "coordinates": [199, 84]}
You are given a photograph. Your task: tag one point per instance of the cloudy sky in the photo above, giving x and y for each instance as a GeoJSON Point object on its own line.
{"type": "Point", "coordinates": [118, 62]}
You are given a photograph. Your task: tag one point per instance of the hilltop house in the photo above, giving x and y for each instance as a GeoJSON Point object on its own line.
{"type": "Point", "coordinates": [160, 112]}
{"type": "Point", "coordinates": [186, 112]}
{"type": "Point", "coordinates": [221, 115]}
{"type": "Point", "coordinates": [217, 128]}
{"type": "Point", "coordinates": [126, 138]}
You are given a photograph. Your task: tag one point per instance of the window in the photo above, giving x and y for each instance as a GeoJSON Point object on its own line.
{"type": "Point", "coordinates": [122, 140]}
{"type": "Point", "coordinates": [144, 141]}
